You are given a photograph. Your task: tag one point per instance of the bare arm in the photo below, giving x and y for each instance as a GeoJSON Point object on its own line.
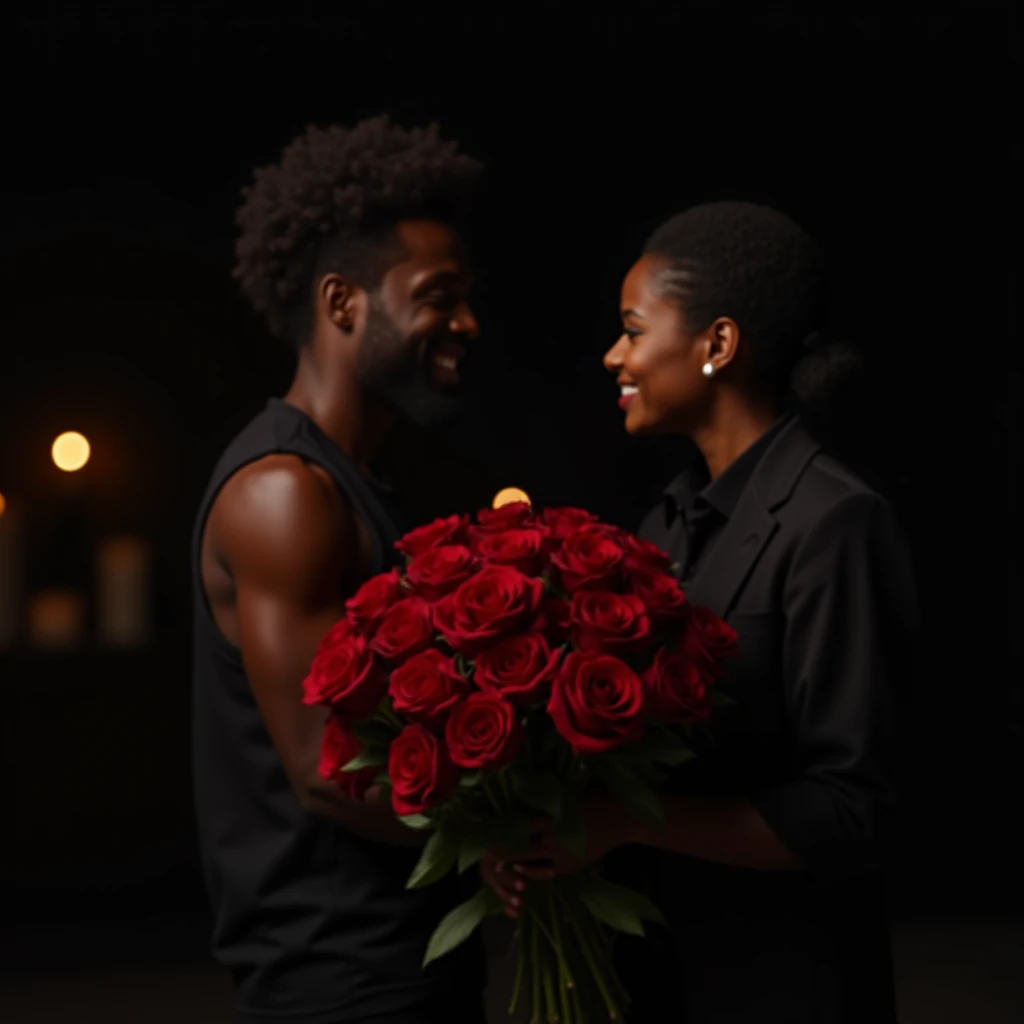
{"type": "Point", "coordinates": [287, 539]}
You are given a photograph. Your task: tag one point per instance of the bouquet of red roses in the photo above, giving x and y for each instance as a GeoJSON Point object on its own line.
{"type": "Point", "coordinates": [516, 662]}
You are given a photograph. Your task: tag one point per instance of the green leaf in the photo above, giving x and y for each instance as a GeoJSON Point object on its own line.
{"type": "Point", "coordinates": [540, 790]}
{"type": "Point", "coordinates": [458, 924]}
{"type": "Point", "coordinates": [382, 779]}
{"type": "Point", "coordinates": [367, 759]}
{"type": "Point", "coordinates": [674, 758]}
{"type": "Point", "coordinates": [375, 733]}
{"type": "Point", "coordinates": [720, 699]}
{"type": "Point", "coordinates": [416, 821]}
{"type": "Point", "coordinates": [613, 913]}
{"type": "Point", "coordinates": [471, 779]}
{"type": "Point", "coordinates": [570, 828]}
{"type": "Point", "coordinates": [659, 745]}
{"type": "Point", "coordinates": [643, 907]}
{"type": "Point", "coordinates": [464, 667]}
{"type": "Point", "coordinates": [619, 908]}
{"type": "Point", "coordinates": [507, 832]}
{"type": "Point", "coordinates": [476, 841]}
{"type": "Point", "coordinates": [510, 832]}
{"type": "Point", "coordinates": [437, 859]}
{"type": "Point", "coordinates": [634, 794]}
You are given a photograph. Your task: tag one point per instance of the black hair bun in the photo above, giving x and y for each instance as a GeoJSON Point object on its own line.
{"type": "Point", "coordinates": [824, 369]}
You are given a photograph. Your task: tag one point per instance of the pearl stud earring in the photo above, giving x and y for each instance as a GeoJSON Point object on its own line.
{"type": "Point", "coordinates": [708, 370]}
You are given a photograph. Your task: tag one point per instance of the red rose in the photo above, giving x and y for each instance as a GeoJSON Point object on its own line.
{"type": "Point", "coordinates": [511, 516]}
{"type": "Point", "coordinates": [522, 549]}
{"type": "Point", "coordinates": [404, 631]}
{"type": "Point", "coordinates": [341, 745]}
{"type": "Point", "coordinates": [483, 732]}
{"type": "Point", "coordinates": [707, 640]}
{"type": "Point", "coordinates": [422, 775]}
{"type": "Point", "coordinates": [339, 631]}
{"type": "Point", "coordinates": [427, 687]}
{"type": "Point", "coordinates": [602, 621]}
{"type": "Point", "coordinates": [519, 668]}
{"type": "Point", "coordinates": [439, 571]}
{"type": "Point", "coordinates": [369, 603]}
{"type": "Point", "coordinates": [643, 555]}
{"type": "Point", "coordinates": [495, 602]}
{"type": "Point", "coordinates": [451, 530]}
{"type": "Point", "coordinates": [661, 594]}
{"type": "Point", "coordinates": [597, 703]}
{"type": "Point", "coordinates": [553, 618]}
{"type": "Point", "coordinates": [677, 691]}
{"type": "Point", "coordinates": [346, 676]}
{"type": "Point", "coordinates": [589, 558]}
{"type": "Point", "coordinates": [563, 521]}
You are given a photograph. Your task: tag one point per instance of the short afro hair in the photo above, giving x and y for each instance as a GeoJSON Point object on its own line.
{"type": "Point", "coordinates": [753, 264]}
{"type": "Point", "coordinates": [332, 203]}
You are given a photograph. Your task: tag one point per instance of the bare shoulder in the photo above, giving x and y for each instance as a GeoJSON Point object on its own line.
{"type": "Point", "coordinates": [282, 516]}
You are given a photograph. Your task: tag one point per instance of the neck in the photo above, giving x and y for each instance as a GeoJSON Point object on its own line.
{"type": "Point", "coordinates": [733, 425]}
{"type": "Point", "coordinates": [328, 393]}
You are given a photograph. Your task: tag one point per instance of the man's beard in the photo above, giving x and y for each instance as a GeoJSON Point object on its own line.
{"type": "Point", "coordinates": [390, 369]}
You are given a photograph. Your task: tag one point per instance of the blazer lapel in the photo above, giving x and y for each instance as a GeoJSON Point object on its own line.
{"type": "Point", "coordinates": [752, 524]}
{"type": "Point", "coordinates": [743, 538]}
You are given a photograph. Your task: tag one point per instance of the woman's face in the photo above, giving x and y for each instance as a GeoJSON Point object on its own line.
{"type": "Point", "coordinates": [656, 362]}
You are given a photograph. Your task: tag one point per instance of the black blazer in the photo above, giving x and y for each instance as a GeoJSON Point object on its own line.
{"type": "Point", "coordinates": [811, 571]}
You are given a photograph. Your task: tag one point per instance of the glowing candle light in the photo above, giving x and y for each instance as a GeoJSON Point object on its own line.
{"type": "Point", "coordinates": [70, 451]}
{"type": "Point", "coordinates": [508, 495]}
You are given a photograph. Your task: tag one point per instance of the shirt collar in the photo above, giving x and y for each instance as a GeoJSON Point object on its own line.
{"type": "Point", "coordinates": [692, 487]}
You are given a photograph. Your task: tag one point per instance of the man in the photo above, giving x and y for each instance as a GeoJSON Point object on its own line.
{"type": "Point", "coordinates": [348, 247]}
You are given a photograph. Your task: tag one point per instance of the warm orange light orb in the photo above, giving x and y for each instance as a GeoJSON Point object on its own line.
{"type": "Point", "coordinates": [70, 451]}
{"type": "Point", "coordinates": [3, 504]}
{"type": "Point", "coordinates": [508, 495]}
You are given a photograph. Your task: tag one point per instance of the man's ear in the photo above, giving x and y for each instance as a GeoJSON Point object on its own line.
{"type": "Point", "coordinates": [343, 303]}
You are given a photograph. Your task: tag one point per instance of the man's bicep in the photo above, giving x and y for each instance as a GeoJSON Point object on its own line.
{"type": "Point", "coordinates": [278, 640]}
{"type": "Point", "coordinates": [287, 553]}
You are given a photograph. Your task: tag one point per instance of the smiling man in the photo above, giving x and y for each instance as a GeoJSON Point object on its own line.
{"type": "Point", "coordinates": [348, 248]}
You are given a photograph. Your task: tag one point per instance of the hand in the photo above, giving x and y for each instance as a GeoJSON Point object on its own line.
{"type": "Point", "coordinates": [607, 826]}
{"type": "Point", "coordinates": [509, 879]}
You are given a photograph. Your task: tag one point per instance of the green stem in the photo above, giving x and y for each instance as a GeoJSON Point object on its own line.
{"type": "Point", "coordinates": [549, 993]}
{"type": "Point", "coordinates": [591, 958]}
{"type": "Point", "coordinates": [503, 783]}
{"type": "Point", "coordinates": [565, 979]}
{"type": "Point", "coordinates": [488, 788]}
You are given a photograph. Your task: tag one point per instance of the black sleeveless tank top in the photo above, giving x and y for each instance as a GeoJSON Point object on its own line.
{"type": "Point", "coordinates": [312, 921]}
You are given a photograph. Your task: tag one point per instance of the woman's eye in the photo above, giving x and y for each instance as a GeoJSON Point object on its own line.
{"type": "Point", "coordinates": [631, 334]}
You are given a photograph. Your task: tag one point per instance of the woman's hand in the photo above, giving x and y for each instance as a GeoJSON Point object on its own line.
{"type": "Point", "coordinates": [509, 879]}
{"type": "Point", "coordinates": [607, 826]}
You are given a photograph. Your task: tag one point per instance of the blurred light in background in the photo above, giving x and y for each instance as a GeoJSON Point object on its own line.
{"type": "Point", "coordinates": [70, 451]}
{"type": "Point", "coordinates": [57, 619]}
{"type": "Point", "coordinates": [3, 504]}
{"type": "Point", "coordinates": [122, 598]}
{"type": "Point", "coordinates": [507, 495]}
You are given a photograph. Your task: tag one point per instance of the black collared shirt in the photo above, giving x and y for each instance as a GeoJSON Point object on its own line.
{"type": "Point", "coordinates": [690, 520]}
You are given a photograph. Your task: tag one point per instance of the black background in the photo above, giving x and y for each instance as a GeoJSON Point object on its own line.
{"type": "Point", "coordinates": [128, 133]}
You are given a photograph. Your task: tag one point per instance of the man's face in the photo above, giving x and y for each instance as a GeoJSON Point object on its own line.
{"type": "Point", "coordinates": [419, 324]}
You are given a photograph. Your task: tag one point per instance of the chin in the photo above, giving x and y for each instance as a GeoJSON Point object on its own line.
{"type": "Point", "coordinates": [636, 426]}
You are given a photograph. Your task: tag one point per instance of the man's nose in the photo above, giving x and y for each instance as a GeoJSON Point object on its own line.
{"type": "Point", "coordinates": [464, 322]}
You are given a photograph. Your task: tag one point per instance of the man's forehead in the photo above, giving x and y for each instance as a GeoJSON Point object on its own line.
{"type": "Point", "coordinates": [431, 241]}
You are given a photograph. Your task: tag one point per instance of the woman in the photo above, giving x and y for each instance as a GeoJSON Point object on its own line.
{"type": "Point", "coordinates": [768, 871]}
